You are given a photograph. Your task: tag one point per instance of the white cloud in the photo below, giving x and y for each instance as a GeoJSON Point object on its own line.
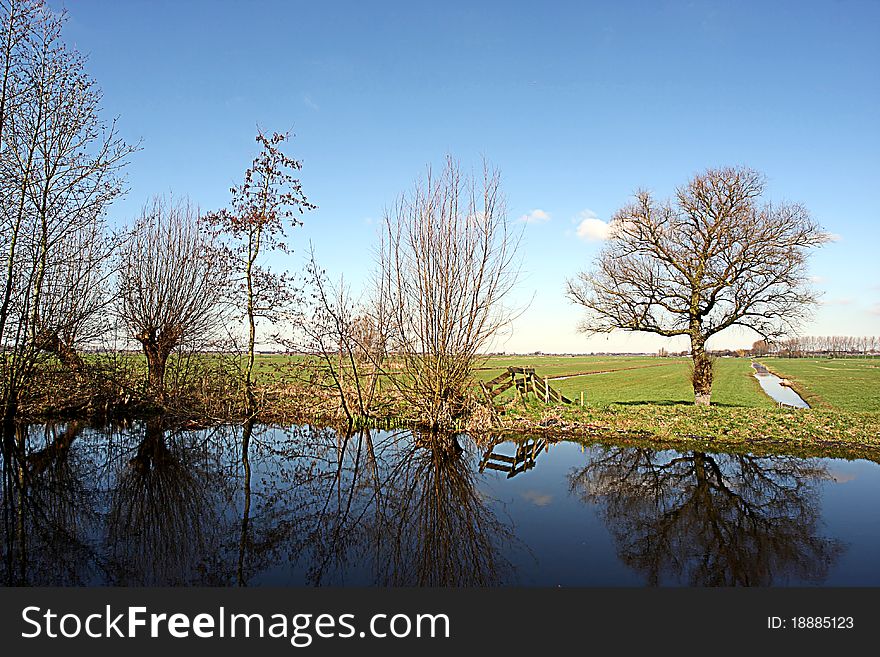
{"type": "Point", "coordinates": [536, 216]}
{"type": "Point", "coordinates": [816, 279]}
{"type": "Point", "coordinates": [837, 301]}
{"type": "Point", "coordinates": [842, 477]}
{"type": "Point", "coordinates": [833, 237]}
{"type": "Point", "coordinates": [591, 228]}
{"type": "Point", "coordinates": [537, 498]}
{"type": "Point", "coordinates": [307, 99]}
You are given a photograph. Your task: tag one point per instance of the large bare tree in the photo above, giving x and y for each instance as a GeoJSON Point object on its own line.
{"type": "Point", "coordinates": [447, 261]}
{"type": "Point", "coordinates": [715, 257]}
{"type": "Point", "coordinates": [170, 282]}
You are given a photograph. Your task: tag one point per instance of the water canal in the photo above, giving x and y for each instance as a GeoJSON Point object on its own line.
{"type": "Point", "coordinates": [145, 505]}
{"type": "Point", "coordinates": [777, 388]}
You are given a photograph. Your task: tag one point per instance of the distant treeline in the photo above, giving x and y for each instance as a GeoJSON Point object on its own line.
{"type": "Point", "coordinates": [819, 345]}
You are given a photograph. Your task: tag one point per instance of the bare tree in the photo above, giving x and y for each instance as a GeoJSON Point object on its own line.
{"type": "Point", "coordinates": [447, 261]}
{"type": "Point", "coordinates": [716, 257]}
{"type": "Point", "coordinates": [169, 284]}
{"type": "Point", "coordinates": [263, 206]}
{"type": "Point", "coordinates": [59, 171]}
{"type": "Point", "coordinates": [350, 340]}
{"type": "Point", "coordinates": [75, 294]}
{"type": "Point", "coordinates": [760, 348]}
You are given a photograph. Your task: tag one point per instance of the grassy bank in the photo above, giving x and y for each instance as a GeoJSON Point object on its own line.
{"type": "Point", "coordinates": [743, 427]}
{"type": "Point", "coordinates": [638, 397]}
{"type": "Point", "coordinates": [847, 384]}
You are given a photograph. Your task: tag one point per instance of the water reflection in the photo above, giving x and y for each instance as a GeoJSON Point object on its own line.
{"type": "Point", "coordinates": [386, 509]}
{"type": "Point", "coordinates": [711, 519]}
{"type": "Point", "coordinates": [437, 530]}
{"type": "Point", "coordinates": [149, 504]}
{"type": "Point", "coordinates": [523, 459]}
{"type": "Point", "coordinates": [48, 513]}
{"type": "Point", "coordinates": [161, 511]}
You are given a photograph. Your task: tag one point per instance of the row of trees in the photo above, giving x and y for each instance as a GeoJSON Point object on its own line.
{"type": "Point", "coordinates": [445, 262]}
{"type": "Point", "coordinates": [181, 279]}
{"type": "Point", "coordinates": [190, 279]}
{"type": "Point", "coordinates": [67, 282]}
{"type": "Point", "coordinates": [819, 345]}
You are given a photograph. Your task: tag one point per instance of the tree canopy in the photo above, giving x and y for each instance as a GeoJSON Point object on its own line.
{"type": "Point", "coordinates": [715, 256]}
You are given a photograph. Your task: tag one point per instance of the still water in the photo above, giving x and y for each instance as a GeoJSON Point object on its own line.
{"type": "Point", "coordinates": [776, 389]}
{"type": "Point", "coordinates": [146, 505]}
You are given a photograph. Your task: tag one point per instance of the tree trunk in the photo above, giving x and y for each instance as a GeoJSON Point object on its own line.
{"type": "Point", "coordinates": [702, 373]}
{"type": "Point", "coordinates": [157, 357]}
{"type": "Point", "coordinates": [156, 367]}
{"type": "Point", "coordinates": [246, 512]}
{"type": "Point", "coordinates": [50, 341]}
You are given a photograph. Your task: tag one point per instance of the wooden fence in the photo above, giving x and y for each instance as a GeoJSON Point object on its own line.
{"type": "Point", "coordinates": [526, 381]}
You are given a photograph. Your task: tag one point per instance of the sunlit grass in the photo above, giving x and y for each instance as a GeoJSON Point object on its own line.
{"type": "Point", "coordinates": [639, 379]}
{"type": "Point", "coordinates": [851, 384]}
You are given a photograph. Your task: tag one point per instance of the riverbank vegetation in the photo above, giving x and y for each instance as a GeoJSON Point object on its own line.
{"type": "Point", "coordinates": [639, 397]}
{"type": "Point", "coordinates": [163, 314]}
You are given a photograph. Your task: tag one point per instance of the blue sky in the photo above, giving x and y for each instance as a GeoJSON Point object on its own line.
{"type": "Point", "coordinates": [578, 104]}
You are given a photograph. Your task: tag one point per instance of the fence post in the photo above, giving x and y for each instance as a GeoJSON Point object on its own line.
{"type": "Point", "coordinates": [546, 392]}
{"type": "Point", "coordinates": [582, 397]}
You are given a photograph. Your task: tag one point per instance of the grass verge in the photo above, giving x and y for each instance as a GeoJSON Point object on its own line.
{"type": "Point", "coordinates": [813, 431]}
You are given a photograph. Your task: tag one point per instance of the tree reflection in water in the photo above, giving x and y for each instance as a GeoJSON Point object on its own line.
{"type": "Point", "coordinates": [437, 530]}
{"type": "Point", "coordinates": [402, 510]}
{"type": "Point", "coordinates": [48, 514]}
{"type": "Point", "coordinates": [711, 519]}
{"type": "Point", "coordinates": [162, 521]}
{"type": "Point", "coordinates": [148, 505]}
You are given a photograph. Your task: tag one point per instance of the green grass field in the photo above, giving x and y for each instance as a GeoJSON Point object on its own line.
{"type": "Point", "coordinates": [653, 397]}
{"type": "Point", "coordinates": [849, 384]}
{"type": "Point", "coordinates": [638, 379]}
{"type": "Point", "coordinates": [845, 384]}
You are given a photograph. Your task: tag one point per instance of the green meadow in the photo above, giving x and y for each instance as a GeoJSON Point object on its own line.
{"type": "Point", "coordinates": [841, 384]}
{"type": "Point", "coordinates": [646, 395]}
{"type": "Point", "coordinates": [633, 380]}
{"type": "Point", "coordinates": [652, 396]}
{"type": "Point", "coordinates": [846, 384]}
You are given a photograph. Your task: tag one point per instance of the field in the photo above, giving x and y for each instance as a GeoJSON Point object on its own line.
{"type": "Point", "coordinates": [848, 384]}
{"type": "Point", "coordinates": [637, 396]}
{"type": "Point", "coordinates": [841, 384]}
{"type": "Point", "coordinates": [637, 380]}
{"type": "Point", "coordinates": [653, 397]}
